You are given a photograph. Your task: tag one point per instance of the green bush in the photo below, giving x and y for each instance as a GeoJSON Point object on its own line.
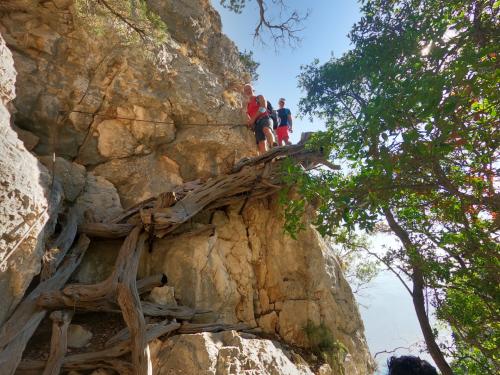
{"type": "Point", "coordinates": [324, 345]}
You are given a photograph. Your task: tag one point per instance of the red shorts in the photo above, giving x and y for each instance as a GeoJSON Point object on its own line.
{"type": "Point", "coordinates": [282, 133]}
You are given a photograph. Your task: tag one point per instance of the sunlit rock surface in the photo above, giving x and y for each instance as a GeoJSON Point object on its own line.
{"type": "Point", "coordinates": [27, 199]}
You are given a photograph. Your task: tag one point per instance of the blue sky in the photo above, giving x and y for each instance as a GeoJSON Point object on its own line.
{"type": "Point", "coordinates": [386, 309]}
{"type": "Point", "coordinates": [325, 33]}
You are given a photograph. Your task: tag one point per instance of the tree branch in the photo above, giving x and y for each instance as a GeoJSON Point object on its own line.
{"type": "Point", "coordinates": [286, 30]}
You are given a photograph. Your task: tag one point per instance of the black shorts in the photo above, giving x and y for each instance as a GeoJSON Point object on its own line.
{"type": "Point", "coordinates": [260, 124]}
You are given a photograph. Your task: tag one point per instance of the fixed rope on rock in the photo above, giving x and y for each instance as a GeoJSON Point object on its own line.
{"type": "Point", "coordinates": [104, 115]}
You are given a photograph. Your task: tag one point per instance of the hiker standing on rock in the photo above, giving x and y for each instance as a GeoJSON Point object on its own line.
{"type": "Point", "coordinates": [284, 123]}
{"type": "Point", "coordinates": [258, 119]}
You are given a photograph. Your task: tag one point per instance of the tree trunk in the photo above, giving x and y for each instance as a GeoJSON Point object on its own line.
{"type": "Point", "coordinates": [418, 297]}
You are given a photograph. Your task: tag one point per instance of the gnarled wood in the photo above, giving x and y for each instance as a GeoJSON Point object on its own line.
{"type": "Point", "coordinates": [106, 230]}
{"type": "Point", "coordinates": [108, 305]}
{"type": "Point", "coordinates": [109, 355]}
{"type": "Point", "coordinates": [58, 249]}
{"type": "Point", "coordinates": [31, 367]}
{"type": "Point", "coordinates": [176, 312]}
{"type": "Point", "coordinates": [22, 324]}
{"type": "Point", "coordinates": [189, 328]}
{"type": "Point", "coordinates": [80, 295]}
{"type": "Point", "coordinates": [59, 341]}
{"type": "Point", "coordinates": [153, 330]}
{"type": "Point", "coordinates": [260, 176]}
{"type": "Point", "coordinates": [130, 304]}
{"type": "Point", "coordinates": [150, 282]}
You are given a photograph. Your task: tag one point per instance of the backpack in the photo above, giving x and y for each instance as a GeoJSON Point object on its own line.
{"type": "Point", "coordinates": [272, 114]}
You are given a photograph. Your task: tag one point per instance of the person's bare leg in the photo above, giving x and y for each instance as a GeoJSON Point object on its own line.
{"type": "Point", "coordinates": [262, 147]}
{"type": "Point", "coordinates": [269, 136]}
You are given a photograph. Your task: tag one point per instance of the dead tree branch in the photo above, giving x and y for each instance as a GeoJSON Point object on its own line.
{"type": "Point", "coordinates": [59, 341]}
{"type": "Point", "coordinates": [17, 331]}
{"type": "Point", "coordinates": [284, 31]}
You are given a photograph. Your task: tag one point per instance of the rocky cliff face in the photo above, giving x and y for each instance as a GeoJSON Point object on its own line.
{"type": "Point", "coordinates": [25, 201]}
{"type": "Point", "coordinates": [125, 125]}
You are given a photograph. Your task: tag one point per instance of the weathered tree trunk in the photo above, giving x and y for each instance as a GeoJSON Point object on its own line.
{"type": "Point", "coordinates": [59, 341]}
{"type": "Point", "coordinates": [130, 304]}
{"type": "Point", "coordinates": [108, 355]}
{"type": "Point", "coordinates": [418, 298]}
{"type": "Point", "coordinates": [22, 324]}
{"type": "Point", "coordinates": [58, 249]}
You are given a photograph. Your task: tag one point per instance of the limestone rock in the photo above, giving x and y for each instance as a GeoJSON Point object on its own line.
{"type": "Point", "coordinates": [100, 197]}
{"type": "Point", "coordinates": [325, 369]}
{"type": "Point", "coordinates": [98, 261]}
{"type": "Point", "coordinates": [294, 316]}
{"type": "Point", "coordinates": [115, 140]}
{"type": "Point", "coordinates": [249, 271]}
{"type": "Point", "coordinates": [7, 75]}
{"type": "Point", "coordinates": [224, 353]}
{"type": "Point", "coordinates": [269, 322]}
{"type": "Point", "coordinates": [78, 336]}
{"type": "Point", "coordinates": [26, 202]}
{"type": "Point", "coordinates": [163, 295]}
{"type": "Point", "coordinates": [29, 139]}
{"type": "Point", "coordinates": [71, 176]}
{"type": "Point", "coordinates": [209, 151]}
{"type": "Point", "coordinates": [161, 120]}
{"type": "Point", "coordinates": [140, 178]}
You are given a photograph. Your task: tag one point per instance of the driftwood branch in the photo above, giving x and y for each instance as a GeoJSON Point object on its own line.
{"type": "Point", "coordinates": [150, 282]}
{"type": "Point", "coordinates": [152, 330]}
{"type": "Point", "coordinates": [253, 178]}
{"type": "Point", "coordinates": [108, 355]}
{"type": "Point", "coordinates": [190, 328]}
{"type": "Point", "coordinates": [58, 249]}
{"type": "Point", "coordinates": [22, 324]}
{"type": "Point", "coordinates": [130, 304]}
{"type": "Point", "coordinates": [103, 292]}
{"type": "Point", "coordinates": [175, 312]}
{"type": "Point", "coordinates": [59, 341]}
{"type": "Point", "coordinates": [106, 230]}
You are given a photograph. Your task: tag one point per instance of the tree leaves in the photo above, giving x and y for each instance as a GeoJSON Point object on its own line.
{"type": "Point", "coordinates": [412, 118]}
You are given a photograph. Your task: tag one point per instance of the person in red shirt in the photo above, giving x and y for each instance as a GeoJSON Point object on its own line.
{"type": "Point", "coordinates": [258, 118]}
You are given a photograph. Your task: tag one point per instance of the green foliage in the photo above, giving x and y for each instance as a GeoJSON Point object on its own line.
{"type": "Point", "coordinates": [324, 345]}
{"type": "Point", "coordinates": [412, 116]}
{"type": "Point", "coordinates": [131, 21]}
{"type": "Point", "coordinates": [250, 64]}
{"type": "Point", "coordinates": [234, 5]}
{"type": "Point", "coordinates": [352, 250]}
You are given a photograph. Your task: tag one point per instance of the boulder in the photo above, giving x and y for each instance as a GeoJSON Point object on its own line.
{"type": "Point", "coordinates": [70, 175]}
{"type": "Point", "coordinates": [223, 354]}
{"type": "Point", "coordinates": [28, 198]}
{"type": "Point", "coordinates": [163, 295]}
{"type": "Point", "coordinates": [99, 198]}
{"type": "Point", "coordinates": [78, 336]}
